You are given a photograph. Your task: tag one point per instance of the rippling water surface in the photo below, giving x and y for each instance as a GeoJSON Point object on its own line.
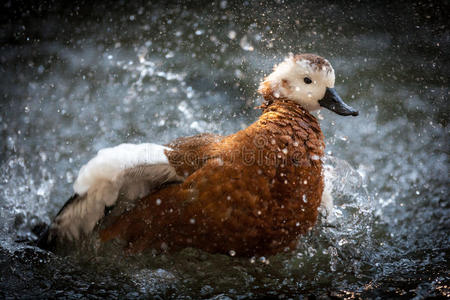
{"type": "Point", "coordinates": [77, 79]}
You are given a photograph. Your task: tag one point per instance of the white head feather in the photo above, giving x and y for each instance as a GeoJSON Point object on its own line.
{"type": "Point", "coordinates": [288, 80]}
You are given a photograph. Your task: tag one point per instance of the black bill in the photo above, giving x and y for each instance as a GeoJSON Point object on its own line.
{"type": "Point", "coordinates": [333, 102]}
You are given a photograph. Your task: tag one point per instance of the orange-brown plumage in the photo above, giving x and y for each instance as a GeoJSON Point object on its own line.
{"type": "Point", "coordinates": [253, 192]}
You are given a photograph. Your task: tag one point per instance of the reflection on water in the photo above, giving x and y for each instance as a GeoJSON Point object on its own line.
{"type": "Point", "coordinates": [77, 79]}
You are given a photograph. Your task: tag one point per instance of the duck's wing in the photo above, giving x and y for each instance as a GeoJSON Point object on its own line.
{"type": "Point", "coordinates": [119, 176]}
{"type": "Point", "coordinates": [132, 171]}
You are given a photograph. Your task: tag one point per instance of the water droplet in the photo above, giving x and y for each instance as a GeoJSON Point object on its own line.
{"type": "Point", "coordinates": [158, 201]}
{"type": "Point", "coordinates": [199, 32]}
{"type": "Point", "coordinates": [192, 221]}
{"type": "Point", "coordinates": [43, 156]}
{"type": "Point", "coordinates": [223, 4]}
{"type": "Point", "coordinates": [164, 246]}
{"type": "Point", "coordinates": [285, 151]}
{"type": "Point", "coordinates": [232, 253]}
{"type": "Point", "coordinates": [245, 44]}
{"type": "Point", "coordinates": [264, 260]}
{"type": "Point", "coordinates": [69, 177]}
{"type": "Point", "coordinates": [232, 34]}
{"type": "Point", "coordinates": [333, 267]}
{"type": "Point", "coordinates": [219, 161]}
{"type": "Point", "coordinates": [311, 251]}
{"type": "Point", "coordinates": [342, 242]}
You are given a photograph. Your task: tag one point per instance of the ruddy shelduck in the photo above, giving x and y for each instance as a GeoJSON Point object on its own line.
{"type": "Point", "coordinates": [249, 193]}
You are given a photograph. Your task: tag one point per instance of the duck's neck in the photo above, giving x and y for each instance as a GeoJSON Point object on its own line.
{"type": "Point", "coordinates": [285, 120]}
{"type": "Point", "coordinates": [286, 111]}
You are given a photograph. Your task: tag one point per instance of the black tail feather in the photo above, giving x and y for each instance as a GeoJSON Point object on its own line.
{"type": "Point", "coordinates": [46, 240]}
{"type": "Point", "coordinates": [39, 229]}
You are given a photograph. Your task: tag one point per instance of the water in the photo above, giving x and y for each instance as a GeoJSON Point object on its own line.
{"type": "Point", "coordinates": [80, 78]}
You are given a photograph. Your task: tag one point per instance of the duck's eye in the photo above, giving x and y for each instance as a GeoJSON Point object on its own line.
{"type": "Point", "coordinates": [307, 80]}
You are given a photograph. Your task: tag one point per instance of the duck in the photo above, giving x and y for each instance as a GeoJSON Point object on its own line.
{"type": "Point", "coordinates": [251, 193]}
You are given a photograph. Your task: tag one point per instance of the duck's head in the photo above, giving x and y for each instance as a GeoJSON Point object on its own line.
{"type": "Point", "coordinates": [308, 80]}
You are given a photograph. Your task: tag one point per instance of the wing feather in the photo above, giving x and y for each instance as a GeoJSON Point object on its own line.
{"type": "Point", "coordinates": [129, 170]}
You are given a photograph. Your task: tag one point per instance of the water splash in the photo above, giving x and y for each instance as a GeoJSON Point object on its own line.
{"type": "Point", "coordinates": [343, 236]}
{"type": "Point", "coordinates": [25, 197]}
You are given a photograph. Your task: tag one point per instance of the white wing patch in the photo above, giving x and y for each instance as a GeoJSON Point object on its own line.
{"type": "Point", "coordinates": [111, 162]}
{"type": "Point", "coordinates": [131, 170]}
